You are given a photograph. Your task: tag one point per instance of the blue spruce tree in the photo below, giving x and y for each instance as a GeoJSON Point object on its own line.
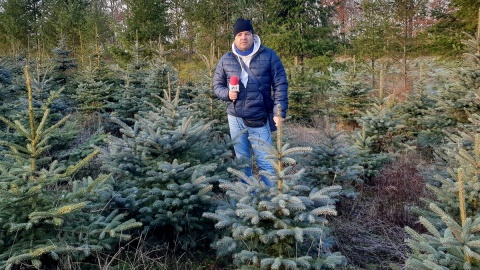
{"type": "Point", "coordinates": [46, 212]}
{"type": "Point", "coordinates": [166, 164]}
{"type": "Point", "coordinates": [280, 227]}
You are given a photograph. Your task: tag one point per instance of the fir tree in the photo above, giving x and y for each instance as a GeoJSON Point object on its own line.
{"type": "Point", "coordinates": [452, 238]}
{"type": "Point", "coordinates": [7, 90]}
{"type": "Point", "coordinates": [141, 79]}
{"type": "Point", "coordinates": [379, 123]}
{"type": "Point", "coordinates": [280, 227]}
{"type": "Point", "coordinates": [370, 161]}
{"type": "Point", "coordinates": [453, 222]}
{"type": "Point", "coordinates": [94, 92]}
{"type": "Point", "coordinates": [455, 99]}
{"type": "Point", "coordinates": [95, 89]}
{"type": "Point", "coordinates": [16, 106]}
{"type": "Point", "coordinates": [45, 212]}
{"type": "Point", "coordinates": [63, 62]}
{"type": "Point", "coordinates": [166, 163]}
{"type": "Point", "coordinates": [309, 82]}
{"type": "Point", "coordinates": [333, 160]}
{"type": "Point", "coordinates": [128, 98]}
{"type": "Point", "coordinates": [423, 121]}
{"type": "Point", "coordinates": [350, 99]}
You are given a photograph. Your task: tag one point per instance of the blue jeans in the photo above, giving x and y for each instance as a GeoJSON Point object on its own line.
{"type": "Point", "coordinates": [242, 144]}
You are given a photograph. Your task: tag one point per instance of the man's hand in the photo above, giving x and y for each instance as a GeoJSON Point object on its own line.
{"type": "Point", "coordinates": [232, 95]}
{"type": "Point", "coordinates": [278, 120]}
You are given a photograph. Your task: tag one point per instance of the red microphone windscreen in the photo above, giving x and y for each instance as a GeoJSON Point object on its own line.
{"type": "Point", "coordinates": [234, 80]}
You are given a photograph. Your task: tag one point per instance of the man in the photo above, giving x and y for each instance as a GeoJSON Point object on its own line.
{"type": "Point", "coordinates": [248, 107]}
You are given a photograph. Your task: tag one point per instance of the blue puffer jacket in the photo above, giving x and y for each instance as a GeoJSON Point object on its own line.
{"type": "Point", "coordinates": [268, 69]}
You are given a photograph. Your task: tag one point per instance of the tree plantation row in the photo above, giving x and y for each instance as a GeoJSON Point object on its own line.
{"type": "Point", "coordinates": [302, 32]}
{"type": "Point", "coordinates": [100, 159]}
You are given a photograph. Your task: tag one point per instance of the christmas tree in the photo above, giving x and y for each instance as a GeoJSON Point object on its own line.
{"type": "Point", "coordinates": [350, 99]}
{"type": "Point", "coordinates": [279, 227]}
{"type": "Point", "coordinates": [333, 159]}
{"type": "Point", "coordinates": [452, 238]}
{"type": "Point", "coordinates": [45, 211]}
{"type": "Point", "coordinates": [166, 164]}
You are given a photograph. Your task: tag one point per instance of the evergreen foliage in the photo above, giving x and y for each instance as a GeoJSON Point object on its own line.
{"type": "Point", "coordinates": [379, 123]}
{"type": "Point", "coordinates": [350, 98]}
{"type": "Point", "coordinates": [371, 161]}
{"type": "Point", "coordinates": [147, 20]}
{"type": "Point", "coordinates": [166, 163]}
{"type": "Point", "coordinates": [453, 224]}
{"type": "Point", "coordinates": [63, 62]}
{"type": "Point", "coordinates": [435, 107]}
{"type": "Point", "coordinates": [45, 212]}
{"type": "Point", "coordinates": [309, 84]}
{"type": "Point", "coordinates": [43, 86]}
{"type": "Point", "coordinates": [141, 79]}
{"type": "Point", "coordinates": [93, 94]}
{"type": "Point", "coordinates": [372, 32]}
{"type": "Point", "coordinates": [13, 103]}
{"type": "Point", "coordinates": [423, 121]}
{"type": "Point", "coordinates": [298, 28]}
{"type": "Point", "coordinates": [280, 227]}
{"type": "Point", "coordinates": [7, 90]}
{"type": "Point", "coordinates": [378, 137]}
{"type": "Point", "coordinates": [333, 160]}
{"type": "Point", "coordinates": [456, 98]}
{"type": "Point", "coordinates": [19, 21]}
{"type": "Point", "coordinates": [465, 14]}
{"type": "Point", "coordinates": [211, 24]}
{"type": "Point", "coordinates": [169, 152]}
{"type": "Point", "coordinates": [471, 49]}
{"type": "Point", "coordinates": [452, 239]}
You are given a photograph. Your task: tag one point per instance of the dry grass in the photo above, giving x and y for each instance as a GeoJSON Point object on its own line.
{"type": "Point", "coordinates": [140, 254]}
{"type": "Point", "coordinates": [368, 243]}
{"type": "Point", "coordinates": [370, 230]}
{"type": "Point", "coordinates": [397, 186]}
{"type": "Point", "coordinates": [300, 135]}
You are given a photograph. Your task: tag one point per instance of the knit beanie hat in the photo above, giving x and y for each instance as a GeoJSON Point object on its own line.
{"type": "Point", "coordinates": [242, 25]}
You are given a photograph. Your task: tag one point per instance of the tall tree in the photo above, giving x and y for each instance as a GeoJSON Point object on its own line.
{"type": "Point", "coordinates": [63, 18]}
{"type": "Point", "coordinates": [441, 36]}
{"type": "Point", "coordinates": [19, 23]}
{"type": "Point", "coordinates": [299, 28]}
{"type": "Point", "coordinates": [407, 14]}
{"type": "Point", "coordinates": [466, 14]}
{"type": "Point", "coordinates": [370, 39]}
{"type": "Point", "coordinates": [147, 20]}
{"type": "Point", "coordinates": [95, 33]}
{"type": "Point", "coordinates": [37, 25]}
{"type": "Point", "coordinates": [211, 23]}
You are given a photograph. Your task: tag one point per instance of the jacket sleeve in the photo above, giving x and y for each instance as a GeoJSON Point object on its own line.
{"type": "Point", "coordinates": [280, 85]}
{"type": "Point", "coordinates": [220, 85]}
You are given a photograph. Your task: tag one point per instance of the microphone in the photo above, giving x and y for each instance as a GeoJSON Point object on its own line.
{"type": "Point", "coordinates": [234, 84]}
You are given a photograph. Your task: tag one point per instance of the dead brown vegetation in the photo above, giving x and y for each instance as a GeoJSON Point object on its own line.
{"type": "Point", "coordinates": [369, 229]}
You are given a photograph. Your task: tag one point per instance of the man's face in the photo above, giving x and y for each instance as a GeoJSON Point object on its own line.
{"type": "Point", "coordinates": [244, 40]}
